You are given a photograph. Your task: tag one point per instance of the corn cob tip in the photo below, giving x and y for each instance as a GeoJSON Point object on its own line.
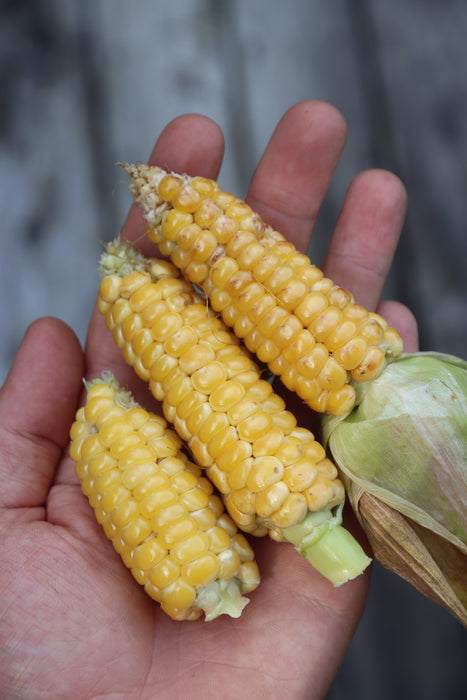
{"type": "Point", "coordinates": [144, 182]}
{"type": "Point", "coordinates": [221, 598]}
{"type": "Point", "coordinates": [120, 257]}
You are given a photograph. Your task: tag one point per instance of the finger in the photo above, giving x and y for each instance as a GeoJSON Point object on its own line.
{"type": "Point", "coordinates": [192, 144]}
{"type": "Point", "coordinates": [402, 319]}
{"type": "Point", "coordinates": [294, 173]}
{"type": "Point", "coordinates": [366, 235]}
{"type": "Point", "coordinates": [37, 405]}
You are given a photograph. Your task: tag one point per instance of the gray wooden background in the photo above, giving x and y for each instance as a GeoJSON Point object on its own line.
{"type": "Point", "coordinates": [85, 83]}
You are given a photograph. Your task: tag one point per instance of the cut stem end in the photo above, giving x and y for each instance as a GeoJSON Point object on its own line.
{"type": "Point", "coordinates": [328, 546]}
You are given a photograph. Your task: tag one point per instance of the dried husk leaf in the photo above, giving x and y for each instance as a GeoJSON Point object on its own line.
{"type": "Point", "coordinates": [429, 563]}
{"type": "Point", "coordinates": [402, 453]}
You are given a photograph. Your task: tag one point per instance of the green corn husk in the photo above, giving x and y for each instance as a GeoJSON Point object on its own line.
{"type": "Point", "coordinates": [402, 453]}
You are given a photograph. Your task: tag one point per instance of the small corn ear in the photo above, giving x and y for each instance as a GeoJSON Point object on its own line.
{"type": "Point", "coordinates": [157, 508]}
{"type": "Point", "coordinates": [270, 471]}
{"type": "Point", "coordinates": [309, 331]}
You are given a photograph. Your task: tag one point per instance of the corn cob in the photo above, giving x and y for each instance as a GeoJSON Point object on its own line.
{"type": "Point", "coordinates": [157, 508]}
{"type": "Point", "coordinates": [309, 331]}
{"type": "Point", "coordinates": [271, 472]}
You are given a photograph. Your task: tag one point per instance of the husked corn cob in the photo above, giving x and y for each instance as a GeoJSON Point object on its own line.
{"type": "Point", "coordinates": [270, 471]}
{"type": "Point", "coordinates": [309, 331]}
{"type": "Point", "coordinates": [273, 475]}
{"type": "Point", "coordinates": [157, 508]}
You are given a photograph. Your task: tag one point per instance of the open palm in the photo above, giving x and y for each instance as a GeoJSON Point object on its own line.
{"type": "Point", "coordinates": [73, 622]}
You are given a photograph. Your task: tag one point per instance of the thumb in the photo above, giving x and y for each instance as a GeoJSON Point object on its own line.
{"type": "Point", "coordinates": [37, 405]}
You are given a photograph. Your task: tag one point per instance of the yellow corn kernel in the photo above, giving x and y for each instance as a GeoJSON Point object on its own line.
{"type": "Point", "coordinates": [340, 401]}
{"type": "Point", "coordinates": [197, 417]}
{"type": "Point", "coordinates": [201, 570]}
{"type": "Point", "coordinates": [313, 304]}
{"type": "Point", "coordinates": [207, 213]}
{"type": "Point", "coordinates": [235, 362]}
{"type": "Point", "coordinates": [333, 375]}
{"type": "Point", "coordinates": [190, 548]}
{"type": "Point", "coordinates": [238, 473]}
{"type": "Point", "coordinates": [322, 326]}
{"type": "Point", "coordinates": [214, 423]}
{"type": "Point", "coordinates": [299, 476]}
{"type": "Point", "coordinates": [201, 453]}
{"type": "Point", "coordinates": [370, 365]}
{"type": "Point", "coordinates": [394, 343]}
{"type": "Point", "coordinates": [204, 517]}
{"type": "Point", "coordinates": [238, 244]}
{"type": "Point", "coordinates": [351, 353]}
{"type": "Point", "coordinates": [170, 185]}
{"type": "Point", "coordinates": [250, 255]}
{"type": "Point", "coordinates": [197, 272]}
{"type": "Point", "coordinates": [207, 378]}
{"type": "Point", "coordinates": [167, 512]}
{"type": "Point", "coordinates": [136, 532]}
{"type": "Point", "coordinates": [286, 333]}
{"type": "Point", "coordinates": [222, 440]}
{"type": "Point", "coordinates": [164, 573]}
{"type": "Point", "coordinates": [186, 199]}
{"type": "Point", "coordinates": [227, 395]}
{"type": "Point", "coordinates": [241, 410]}
{"type": "Point", "coordinates": [222, 272]}
{"type": "Point", "coordinates": [266, 471]}
{"type": "Point", "coordinates": [196, 357]}
{"type": "Point", "coordinates": [90, 446]}
{"type": "Point", "coordinates": [219, 538]}
{"type": "Point", "coordinates": [268, 443]}
{"type": "Point", "coordinates": [293, 509]}
{"type": "Point", "coordinates": [230, 562]}
{"type": "Point", "coordinates": [139, 475]}
{"type": "Point", "coordinates": [319, 493]}
{"type": "Point", "coordinates": [239, 451]}
{"type": "Point", "coordinates": [293, 292]}
{"type": "Point", "coordinates": [204, 185]}
{"type": "Point", "coordinates": [189, 403]}
{"type": "Point", "coordinates": [313, 362]}
{"type": "Point", "coordinates": [179, 387]}
{"type": "Point", "coordinates": [176, 530]}
{"type": "Point", "coordinates": [271, 498]}
{"type": "Point", "coordinates": [244, 500]}
{"type": "Point", "coordinates": [148, 554]}
{"type": "Point", "coordinates": [172, 222]}
{"type": "Point", "coordinates": [111, 287]}
{"type": "Point", "coordinates": [342, 333]}
{"type": "Point", "coordinates": [224, 227]}
{"type": "Point", "coordinates": [181, 341]}
{"type": "Point", "coordinates": [156, 508]}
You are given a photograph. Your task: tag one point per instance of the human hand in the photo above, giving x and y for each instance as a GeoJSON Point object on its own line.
{"type": "Point", "coordinates": [73, 622]}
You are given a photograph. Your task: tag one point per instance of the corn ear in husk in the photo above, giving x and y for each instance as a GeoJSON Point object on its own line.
{"type": "Point", "coordinates": [402, 453]}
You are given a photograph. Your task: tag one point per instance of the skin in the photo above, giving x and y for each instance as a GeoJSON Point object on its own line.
{"type": "Point", "coordinates": [73, 622]}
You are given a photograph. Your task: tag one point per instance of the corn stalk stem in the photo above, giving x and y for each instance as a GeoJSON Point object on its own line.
{"type": "Point", "coordinates": [328, 546]}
